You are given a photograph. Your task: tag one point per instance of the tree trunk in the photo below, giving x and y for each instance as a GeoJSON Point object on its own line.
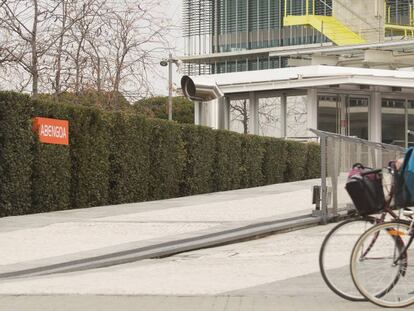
{"type": "Point", "coordinates": [245, 118]}
{"type": "Point", "coordinates": [58, 86]}
{"type": "Point", "coordinates": [33, 43]}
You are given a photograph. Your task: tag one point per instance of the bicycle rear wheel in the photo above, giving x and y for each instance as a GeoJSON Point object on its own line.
{"type": "Point", "coordinates": [334, 256]}
{"type": "Point", "coordinates": [376, 271]}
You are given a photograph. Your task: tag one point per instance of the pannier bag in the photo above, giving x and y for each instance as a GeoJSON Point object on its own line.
{"type": "Point", "coordinates": [365, 190]}
{"type": "Point", "coordinates": [404, 181]}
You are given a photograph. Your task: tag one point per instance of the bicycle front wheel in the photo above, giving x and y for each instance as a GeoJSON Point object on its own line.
{"type": "Point", "coordinates": [334, 256]}
{"type": "Point", "coordinates": [379, 263]}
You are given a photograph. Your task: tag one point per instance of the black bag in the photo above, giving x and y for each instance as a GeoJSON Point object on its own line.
{"type": "Point", "coordinates": [365, 191]}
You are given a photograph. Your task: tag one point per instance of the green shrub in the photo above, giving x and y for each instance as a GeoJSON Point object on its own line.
{"type": "Point", "coordinates": [295, 161]}
{"type": "Point", "coordinates": [51, 170]}
{"type": "Point", "coordinates": [16, 141]}
{"type": "Point", "coordinates": [199, 144]}
{"type": "Point", "coordinates": [119, 158]}
{"type": "Point", "coordinates": [166, 159]}
{"type": "Point", "coordinates": [274, 160]}
{"type": "Point", "coordinates": [252, 159]}
{"type": "Point", "coordinates": [89, 148]}
{"type": "Point", "coordinates": [313, 164]}
{"type": "Point", "coordinates": [157, 107]}
{"type": "Point", "coordinates": [129, 158]}
{"type": "Point", "coordinates": [228, 157]}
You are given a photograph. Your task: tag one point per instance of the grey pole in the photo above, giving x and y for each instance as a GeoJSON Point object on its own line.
{"type": "Point", "coordinates": [170, 87]}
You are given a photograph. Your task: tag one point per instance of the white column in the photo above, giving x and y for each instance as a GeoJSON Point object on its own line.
{"type": "Point", "coordinates": [253, 114]}
{"type": "Point", "coordinates": [213, 113]}
{"type": "Point", "coordinates": [197, 113]}
{"type": "Point", "coordinates": [283, 116]}
{"type": "Point", "coordinates": [223, 111]}
{"type": "Point", "coordinates": [226, 108]}
{"type": "Point", "coordinates": [374, 116]}
{"type": "Point", "coordinates": [344, 126]}
{"type": "Point", "coordinates": [312, 110]}
{"type": "Point", "coordinates": [204, 114]}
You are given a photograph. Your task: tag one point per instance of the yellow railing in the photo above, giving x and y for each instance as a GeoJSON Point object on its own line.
{"type": "Point", "coordinates": [323, 21]}
{"type": "Point", "coordinates": [396, 26]}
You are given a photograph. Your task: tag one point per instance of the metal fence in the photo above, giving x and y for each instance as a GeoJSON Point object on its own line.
{"type": "Point", "coordinates": [338, 154]}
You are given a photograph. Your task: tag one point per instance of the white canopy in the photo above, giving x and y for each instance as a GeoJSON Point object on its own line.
{"type": "Point", "coordinates": [306, 77]}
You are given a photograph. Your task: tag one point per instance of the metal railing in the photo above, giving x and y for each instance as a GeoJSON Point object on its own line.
{"type": "Point", "coordinates": [308, 7]}
{"type": "Point", "coordinates": [399, 13]}
{"type": "Point", "coordinates": [338, 154]}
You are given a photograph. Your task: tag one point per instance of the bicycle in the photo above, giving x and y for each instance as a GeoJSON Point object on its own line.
{"type": "Point", "coordinates": [379, 263]}
{"type": "Point", "coordinates": [339, 243]}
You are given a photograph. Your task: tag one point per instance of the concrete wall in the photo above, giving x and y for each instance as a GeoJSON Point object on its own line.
{"type": "Point", "coordinates": [365, 17]}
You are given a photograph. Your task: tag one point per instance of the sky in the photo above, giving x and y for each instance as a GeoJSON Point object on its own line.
{"type": "Point", "coordinates": [173, 9]}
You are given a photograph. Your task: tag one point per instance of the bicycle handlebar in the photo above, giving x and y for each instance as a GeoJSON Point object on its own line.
{"type": "Point", "coordinates": [379, 170]}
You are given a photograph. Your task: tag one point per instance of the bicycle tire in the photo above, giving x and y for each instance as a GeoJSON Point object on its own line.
{"type": "Point", "coordinates": [374, 271]}
{"type": "Point", "coordinates": [340, 242]}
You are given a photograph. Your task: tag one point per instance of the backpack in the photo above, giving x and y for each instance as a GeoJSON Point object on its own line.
{"type": "Point", "coordinates": [404, 181]}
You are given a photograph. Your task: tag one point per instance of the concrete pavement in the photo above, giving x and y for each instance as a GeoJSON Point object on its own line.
{"type": "Point", "coordinates": [277, 272]}
{"type": "Point", "coordinates": [104, 236]}
{"type": "Point", "coordinates": [274, 273]}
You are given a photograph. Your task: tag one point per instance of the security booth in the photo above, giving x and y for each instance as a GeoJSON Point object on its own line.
{"type": "Point", "coordinates": [372, 104]}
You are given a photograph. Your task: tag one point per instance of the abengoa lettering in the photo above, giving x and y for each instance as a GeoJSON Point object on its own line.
{"type": "Point", "coordinates": [53, 131]}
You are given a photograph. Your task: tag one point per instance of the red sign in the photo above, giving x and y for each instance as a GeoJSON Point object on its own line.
{"type": "Point", "coordinates": [52, 131]}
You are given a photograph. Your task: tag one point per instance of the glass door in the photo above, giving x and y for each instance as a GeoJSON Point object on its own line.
{"type": "Point", "coordinates": [343, 114]}
{"type": "Point", "coordinates": [357, 116]}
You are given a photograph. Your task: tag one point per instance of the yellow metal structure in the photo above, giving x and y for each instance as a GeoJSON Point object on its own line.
{"type": "Point", "coordinates": [329, 26]}
{"type": "Point", "coordinates": [406, 30]}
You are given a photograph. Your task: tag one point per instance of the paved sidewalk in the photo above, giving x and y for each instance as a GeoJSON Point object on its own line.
{"type": "Point", "coordinates": [279, 272]}
{"type": "Point", "coordinates": [49, 239]}
{"type": "Point", "coordinates": [180, 303]}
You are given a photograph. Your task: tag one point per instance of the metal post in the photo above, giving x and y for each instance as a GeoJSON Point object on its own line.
{"type": "Point", "coordinates": [406, 123]}
{"type": "Point", "coordinates": [323, 180]}
{"type": "Point", "coordinates": [170, 87]}
{"type": "Point", "coordinates": [283, 115]}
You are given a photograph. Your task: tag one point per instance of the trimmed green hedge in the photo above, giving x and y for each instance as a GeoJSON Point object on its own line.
{"type": "Point", "coordinates": [274, 161]}
{"type": "Point", "coordinates": [129, 159]}
{"type": "Point", "coordinates": [51, 177]}
{"type": "Point", "coordinates": [16, 141]}
{"type": "Point", "coordinates": [252, 152]}
{"type": "Point", "coordinates": [120, 158]}
{"type": "Point", "coordinates": [199, 145]}
{"type": "Point", "coordinates": [89, 147]}
{"type": "Point", "coordinates": [167, 157]}
{"type": "Point", "coordinates": [313, 164]}
{"type": "Point", "coordinates": [228, 157]}
{"type": "Point", "coordinates": [296, 154]}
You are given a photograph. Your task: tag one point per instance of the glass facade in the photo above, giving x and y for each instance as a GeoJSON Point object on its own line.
{"type": "Point", "coordinates": [216, 26]}
{"type": "Point", "coordinates": [255, 24]}
{"type": "Point", "coordinates": [397, 118]}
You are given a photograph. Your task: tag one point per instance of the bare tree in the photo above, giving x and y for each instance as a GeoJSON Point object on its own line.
{"type": "Point", "coordinates": [240, 112]}
{"type": "Point", "coordinates": [26, 22]}
{"type": "Point", "coordinates": [269, 114]}
{"type": "Point", "coordinates": [136, 39]}
{"type": "Point", "coordinates": [83, 44]}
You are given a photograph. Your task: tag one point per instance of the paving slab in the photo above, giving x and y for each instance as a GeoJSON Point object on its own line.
{"type": "Point", "coordinates": [97, 237]}
{"type": "Point", "coordinates": [277, 272]}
